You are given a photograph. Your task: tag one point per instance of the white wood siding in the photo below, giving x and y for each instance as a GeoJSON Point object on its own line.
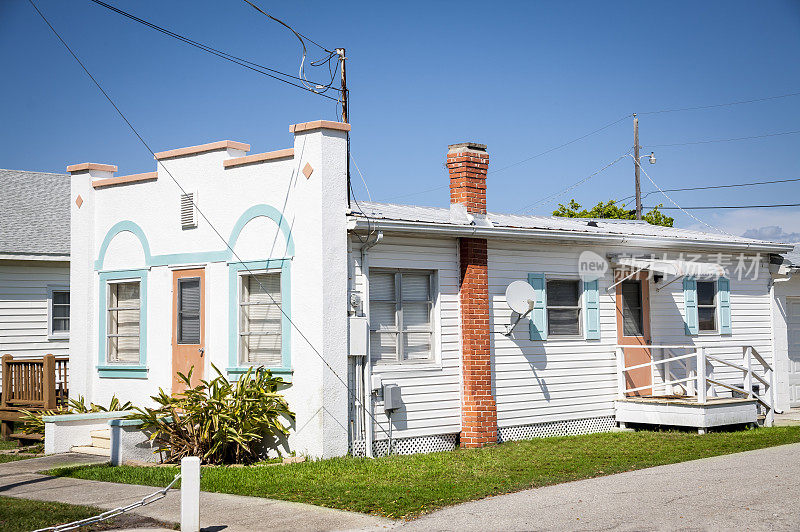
{"type": "Point", "coordinates": [23, 308]}
{"type": "Point", "coordinates": [431, 393]}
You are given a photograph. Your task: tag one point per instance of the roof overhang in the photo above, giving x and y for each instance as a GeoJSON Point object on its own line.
{"type": "Point", "coordinates": [670, 266]}
{"type": "Point", "coordinates": [556, 236]}
{"type": "Point", "coordinates": [35, 256]}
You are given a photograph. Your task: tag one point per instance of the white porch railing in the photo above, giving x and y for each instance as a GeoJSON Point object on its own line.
{"type": "Point", "coordinates": [699, 380]}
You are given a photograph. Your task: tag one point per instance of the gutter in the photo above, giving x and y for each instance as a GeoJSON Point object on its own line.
{"type": "Point", "coordinates": [558, 236]}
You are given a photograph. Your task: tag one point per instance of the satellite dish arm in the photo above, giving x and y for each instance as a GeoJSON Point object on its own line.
{"type": "Point", "coordinates": [510, 328]}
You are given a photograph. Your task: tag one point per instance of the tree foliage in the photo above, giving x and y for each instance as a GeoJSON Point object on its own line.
{"type": "Point", "coordinates": [34, 424]}
{"type": "Point", "coordinates": [610, 210]}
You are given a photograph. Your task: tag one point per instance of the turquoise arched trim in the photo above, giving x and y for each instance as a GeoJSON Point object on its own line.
{"type": "Point", "coordinates": [119, 227]}
{"type": "Point", "coordinates": [270, 212]}
{"type": "Point", "coordinates": [226, 254]}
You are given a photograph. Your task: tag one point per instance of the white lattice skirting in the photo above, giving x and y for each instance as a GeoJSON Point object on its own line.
{"type": "Point", "coordinates": [420, 444]}
{"type": "Point", "coordinates": [570, 427]}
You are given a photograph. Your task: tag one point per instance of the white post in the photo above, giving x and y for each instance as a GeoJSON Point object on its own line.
{"type": "Point", "coordinates": [668, 375]}
{"type": "Point", "coordinates": [620, 373]}
{"type": "Point", "coordinates": [748, 363]}
{"type": "Point", "coordinates": [190, 494]}
{"type": "Point", "coordinates": [770, 420]}
{"type": "Point", "coordinates": [701, 375]}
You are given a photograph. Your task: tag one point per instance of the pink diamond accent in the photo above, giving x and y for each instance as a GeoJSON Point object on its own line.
{"type": "Point", "coordinates": [79, 201]}
{"type": "Point", "coordinates": [308, 170]}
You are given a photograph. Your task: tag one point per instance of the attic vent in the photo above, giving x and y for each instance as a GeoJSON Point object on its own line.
{"type": "Point", "coordinates": [188, 211]}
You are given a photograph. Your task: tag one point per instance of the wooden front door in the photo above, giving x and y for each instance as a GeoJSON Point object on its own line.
{"type": "Point", "coordinates": [188, 331]}
{"type": "Point", "coordinates": [633, 329]}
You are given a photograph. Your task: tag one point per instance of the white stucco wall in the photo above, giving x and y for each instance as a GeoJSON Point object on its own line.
{"type": "Point", "coordinates": [314, 209]}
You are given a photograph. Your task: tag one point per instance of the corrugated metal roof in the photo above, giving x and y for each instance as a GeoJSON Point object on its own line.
{"type": "Point", "coordinates": [34, 213]}
{"type": "Point", "coordinates": [439, 215]}
{"type": "Point", "coordinates": [794, 255]}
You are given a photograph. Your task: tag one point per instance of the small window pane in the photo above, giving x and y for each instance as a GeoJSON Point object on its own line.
{"type": "Point", "coordinates": [189, 311]}
{"type": "Point", "coordinates": [416, 287]}
{"type": "Point", "coordinates": [60, 298]}
{"type": "Point", "coordinates": [60, 324]}
{"type": "Point", "coordinates": [382, 315]}
{"type": "Point", "coordinates": [563, 321]}
{"type": "Point", "coordinates": [705, 293]}
{"type": "Point", "coordinates": [416, 315]}
{"type": "Point", "coordinates": [61, 311]}
{"type": "Point", "coordinates": [707, 318]}
{"type": "Point", "coordinates": [562, 294]}
{"type": "Point", "coordinates": [123, 322]}
{"type": "Point", "coordinates": [383, 346]}
{"type": "Point", "coordinates": [381, 286]}
{"type": "Point", "coordinates": [632, 308]}
{"type": "Point", "coordinates": [417, 346]}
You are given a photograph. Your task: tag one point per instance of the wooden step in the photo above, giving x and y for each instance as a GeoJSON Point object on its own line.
{"type": "Point", "coordinates": [88, 449]}
{"type": "Point", "coordinates": [21, 436]}
{"type": "Point", "coordinates": [101, 438]}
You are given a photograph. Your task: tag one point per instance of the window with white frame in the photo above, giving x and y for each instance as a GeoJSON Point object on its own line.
{"type": "Point", "coordinates": [58, 312]}
{"type": "Point", "coordinates": [563, 307]}
{"type": "Point", "coordinates": [707, 306]}
{"type": "Point", "coordinates": [401, 310]}
{"type": "Point", "coordinates": [260, 319]}
{"type": "Point", "coordinates": [124, 304]}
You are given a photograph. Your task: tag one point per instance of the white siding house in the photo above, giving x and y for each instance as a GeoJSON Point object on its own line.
{"type": "Point", "coordinates": [34, 264]}
{"type": "Point", "coordinates": [786, 328]}
{"type": "Point", "coordinates": [365, 297]}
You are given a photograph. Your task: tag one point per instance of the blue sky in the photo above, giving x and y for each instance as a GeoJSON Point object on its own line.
{"type": "Point", "coordinates": [520, 77]}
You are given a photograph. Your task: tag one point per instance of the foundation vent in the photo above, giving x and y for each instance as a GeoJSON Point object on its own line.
{"type": "Point", "coordinates": [188, 210]}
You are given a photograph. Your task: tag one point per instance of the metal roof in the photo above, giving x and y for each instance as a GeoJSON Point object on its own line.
{"type": "Point", "coordinates": [578, 226]}
{"type": "Point", "coordinates": [34, 213]}
{"type": "Point", "coordinates": [794, 256]}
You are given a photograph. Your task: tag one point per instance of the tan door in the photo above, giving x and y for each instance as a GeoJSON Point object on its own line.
{"type": "Point", "coordinates": [188, 331]}
{"type": "Point", "coordinates": [633, 329]}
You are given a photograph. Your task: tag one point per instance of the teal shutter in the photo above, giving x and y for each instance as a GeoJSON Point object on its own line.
{"type": "Point", "coordinates": [690, 305]}
{"type": "Point", "coordinates": [538, 315]}
{"type": "Point", "coordinates": [724, 303]}
{"type": "Point", "coordinates": [591, 296]}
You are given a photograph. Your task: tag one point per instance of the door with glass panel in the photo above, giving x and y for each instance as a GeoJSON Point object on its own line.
{"type": "Point", "coordinates": [188, 331]}
{"type": "Point", "coordinates": [633, 331]}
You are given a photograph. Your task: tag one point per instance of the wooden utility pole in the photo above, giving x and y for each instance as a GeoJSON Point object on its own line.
{"type": "Point", "coordinates": [345, 113]}
{"type": "Point", "coordinates": [636, 166]}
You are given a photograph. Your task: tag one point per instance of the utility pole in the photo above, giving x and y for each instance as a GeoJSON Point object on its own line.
{"type": "Point", "coordinates": [345, 113]}
{"type": "Point", "coordinates": [636, 166]}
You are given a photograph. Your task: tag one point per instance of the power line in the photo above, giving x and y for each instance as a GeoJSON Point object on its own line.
{"type": "Point", "coordinates": [216, 231]}
{"type": "Point", "coordinates": [256, 67]}
{"type": "Point", "coordinates": [279, 21]}
{"type": "Point", "coordinates": [598, 130]}
{"type": "Point", "coordinates": [574, 185]}
{"type": "Point", "coordinates": [700, 107]}
{"type": "Point", "coordinates": [690, 215]}
{"type": "Point", "coordinates": [706, 207]}
{"type": "Point", "coordinates": [722, 140]}
{"type": "Point", "coordinates": [714, 187]}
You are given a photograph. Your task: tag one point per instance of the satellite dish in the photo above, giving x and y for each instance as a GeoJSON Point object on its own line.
{"type": "Point", "coordinates": [521, 297]}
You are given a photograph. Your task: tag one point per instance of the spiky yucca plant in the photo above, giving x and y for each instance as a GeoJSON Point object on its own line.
{"type": "Point", "coordinates": [34, 424]}
{"type": "Point", "coordinates": [220, 421]}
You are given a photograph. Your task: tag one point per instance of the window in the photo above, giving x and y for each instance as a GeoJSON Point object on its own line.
{"type": "Point", "coordinates": [123, 322]}
{"type": "Point", "coordinates": [189, 310]}
{"type": "Point", "coordinates": [707, 305]}
{"type": "Point", "coordinates": [400, 308]}
{"type": "Point", "coordinates": [260, 319]}
{"type": "Point", "coordinates": [58, 306]}
{"type": "Point", "coordinates": [632, 311]}
{"type": "Point", "coordinates": [563, 308]}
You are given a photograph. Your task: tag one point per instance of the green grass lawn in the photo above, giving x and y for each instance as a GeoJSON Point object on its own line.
{"type": "Point", "coordinates": [9, 444]}
{"type": "Point", "coordinates": [24, 515]}
{"type": "Point", "coordinates": [407, 486]}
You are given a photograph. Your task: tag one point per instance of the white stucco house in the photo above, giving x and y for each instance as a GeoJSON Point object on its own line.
{"type": "Point", "coordinates": [34, 264]}
{"type": "Point", "coordinates": [260, 260]}
{"type": "Point", "coordinates": [786, 322]}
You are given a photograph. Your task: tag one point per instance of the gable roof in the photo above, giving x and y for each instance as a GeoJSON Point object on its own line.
{"type": "Point", "coordinates": [35, 212]}
{"type": "Point", "coordinates": [496, 224]}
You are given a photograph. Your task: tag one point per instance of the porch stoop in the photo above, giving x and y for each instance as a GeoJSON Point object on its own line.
{"type": "Point", "coordinates": [686, 411]}
{"type": "Point", "coordinates": [101, 444]}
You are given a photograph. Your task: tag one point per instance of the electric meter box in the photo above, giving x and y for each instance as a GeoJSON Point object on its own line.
{"type": "Point", "coordinates": [358, 332]}
{"type": "Point", "coordinates": [391, 397]}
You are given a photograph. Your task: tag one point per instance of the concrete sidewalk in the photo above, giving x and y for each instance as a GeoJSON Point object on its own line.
{"type": "Point", "coordinates": [754, 490]}
{"type": "Point", "coordinates": [218, 511]}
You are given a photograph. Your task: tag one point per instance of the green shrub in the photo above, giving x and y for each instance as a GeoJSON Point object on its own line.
{"type": "Point", "coordinates": [32, 422]}
{"type": "Point", "coordinates": [222, 422]}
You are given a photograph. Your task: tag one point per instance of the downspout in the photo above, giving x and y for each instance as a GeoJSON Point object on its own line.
{"type": "Point", "coordinates": [366, 400]}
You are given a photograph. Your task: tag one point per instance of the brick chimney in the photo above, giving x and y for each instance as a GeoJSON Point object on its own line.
{"type": "Point", "coordinates": [467, 163]}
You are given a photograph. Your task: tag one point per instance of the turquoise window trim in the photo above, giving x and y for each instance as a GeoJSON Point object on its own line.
{"type": "Point", "coordinates": [591, 292]}
{"type": "Point", "coordinates": [226, 254]}
{"type": "Point", "coordinates": [234, 268]}
{"type": "Point", "coordinates": [123, 371]}
{"type": "Point", "coordinates": [724, 305]}
{"type": "Point", "coordinates": [538, 316]}
{"type": "Point", "coordinates": [691, 319]}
